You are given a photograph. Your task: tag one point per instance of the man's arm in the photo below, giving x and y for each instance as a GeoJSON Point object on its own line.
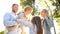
{"type": "Point", "coordinates": [8, 23]}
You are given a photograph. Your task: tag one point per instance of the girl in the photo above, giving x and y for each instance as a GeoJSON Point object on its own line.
{"type": "Point", "coordinates": [37, 21]}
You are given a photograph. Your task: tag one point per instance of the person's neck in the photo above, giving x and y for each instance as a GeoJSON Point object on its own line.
{"type": "Point", "coordinates": [42, 17]}
{"type": "Point", "coordinates": [14, 13]}
{"type": "Point", "coordinates": [26, 14]}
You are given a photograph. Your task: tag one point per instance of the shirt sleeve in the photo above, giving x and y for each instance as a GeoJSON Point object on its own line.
{"type": "Point", "coordinates": [25, 23]}
{"type": "Point", "coordinates": [50, 22]}
{"type": "Point", "coordinates": [7, 20]}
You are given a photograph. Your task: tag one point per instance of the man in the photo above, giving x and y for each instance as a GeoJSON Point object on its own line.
{"type": "Point", "coordinates": [47, 22]}
{"type": "Point", "coordinates": [10, 21]}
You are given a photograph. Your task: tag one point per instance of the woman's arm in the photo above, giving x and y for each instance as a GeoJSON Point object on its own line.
{"type": "Point", "coordinates": [29, 24]}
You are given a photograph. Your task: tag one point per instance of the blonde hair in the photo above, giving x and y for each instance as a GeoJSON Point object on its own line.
{"type": "Point", "coordinates": [28, 7]}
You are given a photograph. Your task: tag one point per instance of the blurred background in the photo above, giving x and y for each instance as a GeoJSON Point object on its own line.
{"type": "Point", "coordinates": [53, 6]}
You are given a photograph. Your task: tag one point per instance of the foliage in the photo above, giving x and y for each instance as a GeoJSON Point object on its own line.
{"type": "Point", "coordinates": [31, 3]}
{"type": "Point", "coordinates": [57, 10]}
{"type": "Point", "coordinates": [23, 3]}
{"type": "Point", "coordinates": [47, 4]}
{"type": "Point", "coordinates": [2, 32]}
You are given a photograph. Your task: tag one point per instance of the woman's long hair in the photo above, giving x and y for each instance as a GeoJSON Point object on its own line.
{"type": "Point", "coordinates": [36, 20]}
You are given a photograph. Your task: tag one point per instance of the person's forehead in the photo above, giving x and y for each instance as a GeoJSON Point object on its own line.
{"type": "Point", "coordinates": [28, 9]}
{"type": "Point", "coordinates": [42, 12]}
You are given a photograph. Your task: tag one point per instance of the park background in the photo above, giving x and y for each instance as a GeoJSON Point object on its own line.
{"type": "Point", "coordinates": [52, 5]}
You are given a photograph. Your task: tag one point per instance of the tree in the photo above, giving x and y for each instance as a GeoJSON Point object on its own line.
{"type": "Point", "coordinates": [31, 3]}
{"type": "Point", "coordinates": [23, 3]}
{"type": "Point", "coordinates": [57, 4]}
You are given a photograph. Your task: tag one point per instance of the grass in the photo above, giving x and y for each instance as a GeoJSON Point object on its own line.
{"type": "Point", "coordinates": [2, 32]}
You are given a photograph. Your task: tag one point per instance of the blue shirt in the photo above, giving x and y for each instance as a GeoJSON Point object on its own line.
{"type": "Point", "coordinates": [47, 24]}
{"type": "Point", "coordinates": [9, 19]}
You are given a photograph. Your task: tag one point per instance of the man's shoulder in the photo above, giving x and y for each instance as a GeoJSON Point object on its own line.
{"type": "Point", "coordinates": [7, 14]}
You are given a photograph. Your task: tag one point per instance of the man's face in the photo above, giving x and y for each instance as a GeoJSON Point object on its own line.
{"type": "Point", "coordinates": [43, 14]}
{"type": "Point", "coordinates": [15, 8]}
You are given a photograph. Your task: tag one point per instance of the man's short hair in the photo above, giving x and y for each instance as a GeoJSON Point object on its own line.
{"type": "Point", "coordinates": [14, 5]}
{"type": "Point", "coordinates": [45, 10]}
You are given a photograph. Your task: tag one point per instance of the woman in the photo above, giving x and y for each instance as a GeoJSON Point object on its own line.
{"type": "Point", "coordinates": [37, 21]}
{"type": "Point", "coordinates": [35, 26]}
